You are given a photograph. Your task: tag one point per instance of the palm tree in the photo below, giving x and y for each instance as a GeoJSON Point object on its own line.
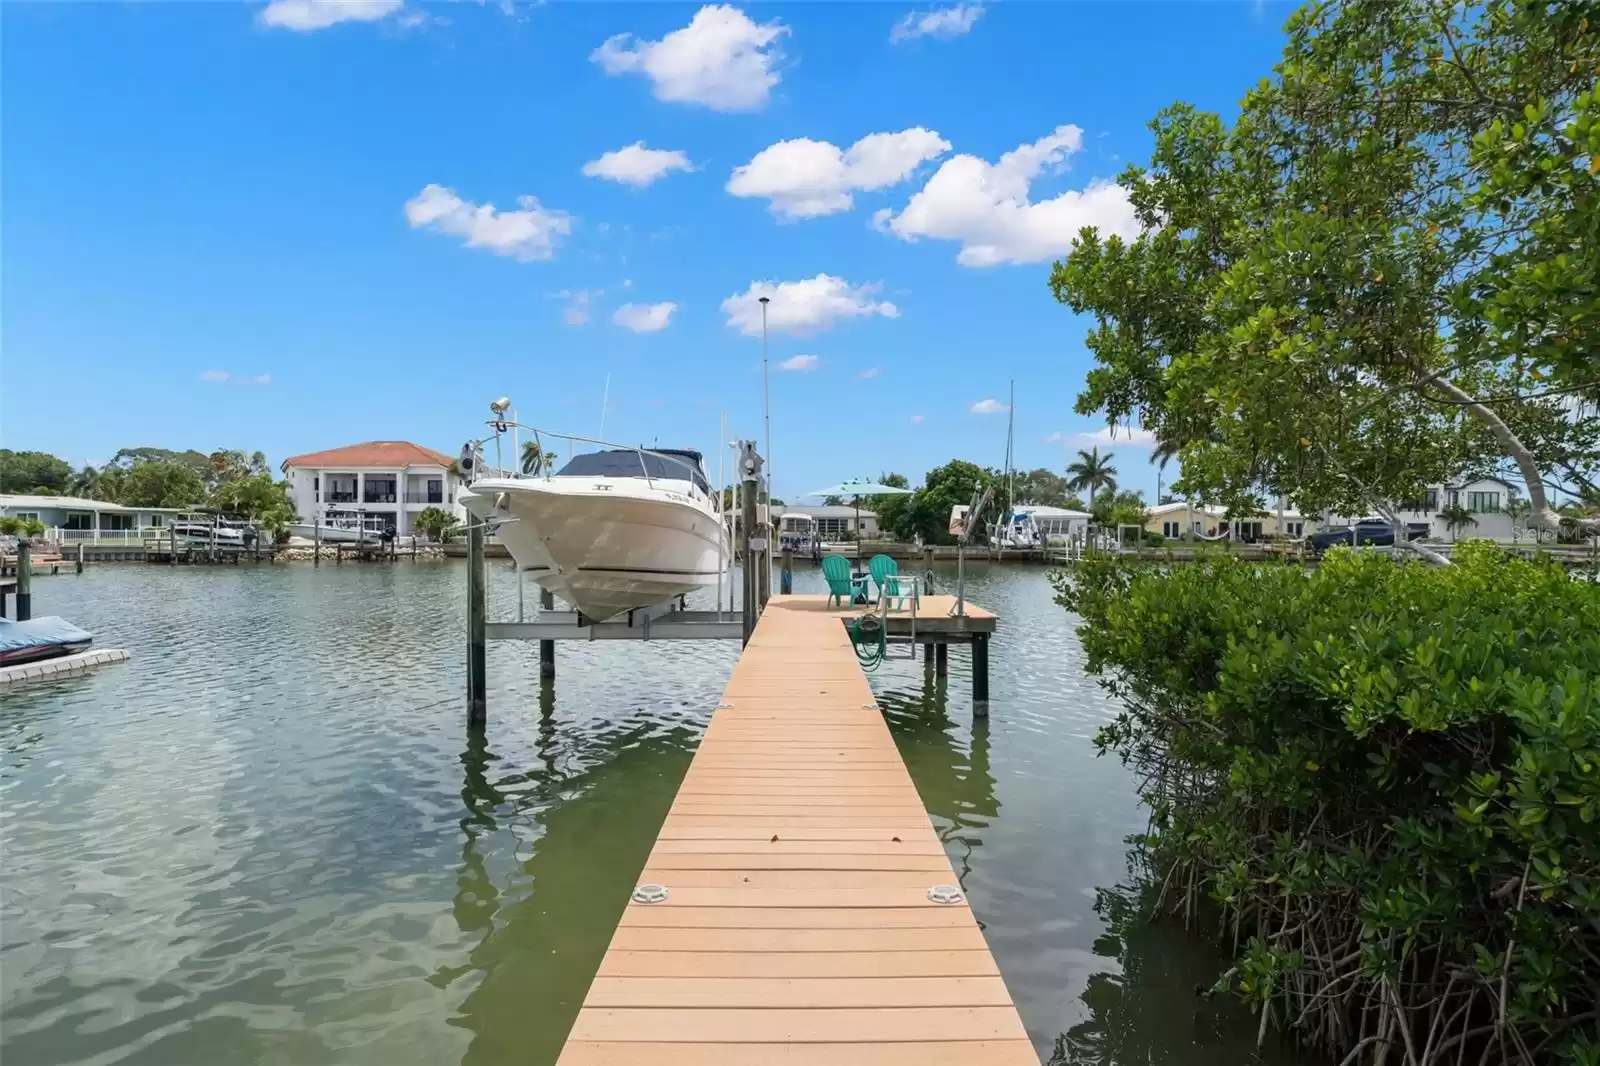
{"type": "Point", "coordinates": [1092, 472]}
{"type": "Point", "coordinates": [1165, 451]}
{"type": "Point", "coordinates": [535, 460]}
{"type": "Point", "coordinates": [1456, 518]}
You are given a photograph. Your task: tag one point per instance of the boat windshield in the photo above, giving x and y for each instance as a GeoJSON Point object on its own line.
{"type": "Point", "coordinates": [668, 464]}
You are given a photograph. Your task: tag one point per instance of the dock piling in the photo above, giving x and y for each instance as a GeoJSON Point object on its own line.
{"type": "Point", "coordinates": [80, 558]}
{"type": "Point", "coordinates": [749, 488]}
{"type": "Point", "coordinates": [941, 660]}
{"type": "Point", "coordinates": [547, 648]}
{"type": "Point", "coordinates": [786, 576]}
{"type": "Point", "coordinates": [980, 675]}
{"type": "Point", "coordinates": [24, 580]}
{"type": "Point", "coordinates": [477, 627]}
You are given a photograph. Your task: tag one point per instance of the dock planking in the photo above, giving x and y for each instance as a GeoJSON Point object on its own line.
{"type": "Point", "coordinates": [797, 930]}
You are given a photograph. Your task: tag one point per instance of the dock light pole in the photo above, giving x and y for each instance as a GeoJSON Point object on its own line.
{"type": "Point", "coordinates": [749, 484]}
{"type": "Point", "coordinates": [765, 576]}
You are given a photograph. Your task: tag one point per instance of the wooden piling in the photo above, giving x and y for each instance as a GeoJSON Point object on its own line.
{"type": "Point", "coordinates": [786, 577]}
{"type": "Point", "coordinates": [316, 533]}
{"type": "Point", "coordinates": [941, 660]}
{"type": "Point", "coordinates": [747, 523]}
{"type": "Point", "coordinates": [172, 543]}
{"type": "Point", "coordinates": [927, 655]}
{"type": "Point", "coordinates": [24, 579]}
{"type": "Point", "coordinates": [547, 648]}
{"type": "Point", "coordinates": [980, 675]}
{"type": "Point", "coordinates": [80, 557]}
{"type": "Point", "coordinates": [477, 627]}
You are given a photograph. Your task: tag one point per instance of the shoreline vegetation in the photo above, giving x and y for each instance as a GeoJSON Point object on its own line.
{"type": "Point", "coordinates": [1378, 779]}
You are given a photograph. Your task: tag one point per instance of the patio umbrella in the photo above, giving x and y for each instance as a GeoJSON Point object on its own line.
{"type": "Point", "coordinates": [857, 488]}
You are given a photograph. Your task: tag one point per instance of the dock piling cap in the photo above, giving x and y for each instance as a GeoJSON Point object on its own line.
{"type": "Point", "coordinates": [650, 893]}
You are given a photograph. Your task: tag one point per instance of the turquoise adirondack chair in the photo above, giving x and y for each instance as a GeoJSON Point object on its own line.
{"type": "Point", "coordinates": [893, 588]}
{"type": "Point", "coordinates": [841, 585]}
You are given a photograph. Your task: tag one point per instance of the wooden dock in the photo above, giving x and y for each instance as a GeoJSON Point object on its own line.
{"type": "Point", "coordinates": [800, 924]}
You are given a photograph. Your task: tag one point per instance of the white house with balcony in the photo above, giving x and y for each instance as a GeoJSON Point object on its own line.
{"type": "Point", "coordinates": [379, 484]}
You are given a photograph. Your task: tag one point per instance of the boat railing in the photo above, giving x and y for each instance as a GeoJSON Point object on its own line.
{"type": "Point", "coordinates": [547, 464]}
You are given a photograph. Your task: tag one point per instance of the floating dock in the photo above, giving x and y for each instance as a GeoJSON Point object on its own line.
{"type": "Point", "coordinates": [805, 912]}
{"type": "Point", "coordinates": [62, 665]}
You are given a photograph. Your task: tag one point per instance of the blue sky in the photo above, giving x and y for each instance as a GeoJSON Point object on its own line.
{"type": "Point", "coordinates": [270, 226]}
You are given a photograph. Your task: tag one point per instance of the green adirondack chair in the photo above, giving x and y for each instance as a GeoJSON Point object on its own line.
{"type": "Point", "coordinates": [891, 587]}
{"type": "Point", "coordinates": [841, 586]}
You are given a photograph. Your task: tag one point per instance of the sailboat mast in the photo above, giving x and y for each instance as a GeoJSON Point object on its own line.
{"type": "Point", "coordinates": [1011, 431]}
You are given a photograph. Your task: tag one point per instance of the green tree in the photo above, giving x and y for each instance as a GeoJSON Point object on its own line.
{"type": "Point", "coordinates": [24, 472]}
{"type": "Point", "coordinates": [535, 460]}
{"type": "Point", "coordinates": [435, 522]}
{"type": "Point", "coordinates": [1380, 275]}
{"type": "Point", "coordinates": [1456, 518]}
{"type": "Point", "coordinates": [21, 527]}
{"type": "Point", "coordinates": [1091, 472]}
{"type": "Point", "coordinates": [1044, 487]}
{"type": "Point", "coordinates": [259, 498]}
{"type": "Point", "coordinates": [926, 512]}
{"type": "Point", "coordinates": [159, 483]}
{"type": "Point", "coordinates": [1114, 509]}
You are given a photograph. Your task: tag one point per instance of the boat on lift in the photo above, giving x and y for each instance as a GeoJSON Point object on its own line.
{"type": "Point", "coordinates": [612, 530]}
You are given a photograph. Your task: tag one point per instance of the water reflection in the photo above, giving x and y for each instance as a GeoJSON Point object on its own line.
{"type": "Point", "coordinates": [544, 923]}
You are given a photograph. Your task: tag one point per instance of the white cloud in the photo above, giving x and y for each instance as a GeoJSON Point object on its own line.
{"type": "Point", "coordinates": [637, 165]}
{"type": "Point", "coordinates": [870, 372]}
{"type": "Point", "coordinates": [721, 60]}
{"type": "Point", "coordinates": [222, 376]}
{"type": "Point", "coordinates": [801, 363]}
{"type": "Point", "coordinates": [803, 178]}
{"type": "Point", "coordinates": [944, 23]}
{"type": "Point", "coordinates": [917, 420]}
{"type": "Point", "coordinates": [985, 206]}
{"type": "Point", "coordinates": [988, 407]}
{"type": "Point", "coordinates": [802, 307]}
{"type": "Point", "coordinates": [644, 318]}
{"type": "Point", "coordinates": [532, 232]}
{"type": "Point", "coordinates": [1105, 437]}
{"type": "Point", "coordinates": [306, 16]}
{"type": "Point", "coordinates": [576, 313]}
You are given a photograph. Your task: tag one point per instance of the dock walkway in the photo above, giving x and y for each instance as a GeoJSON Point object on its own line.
{"type": "Point", "coordinates": [798, 859]}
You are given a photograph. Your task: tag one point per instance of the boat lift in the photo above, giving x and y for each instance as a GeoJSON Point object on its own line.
{"type": "Point", "coordinates": [669, 620]}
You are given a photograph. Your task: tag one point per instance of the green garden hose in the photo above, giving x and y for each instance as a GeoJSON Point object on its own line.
{"type": "Point", "coordinates": [867, 637]}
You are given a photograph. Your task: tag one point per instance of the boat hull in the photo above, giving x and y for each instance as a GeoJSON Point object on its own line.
{"type": "Point", "coordinates": [333, 534]}
{"type": "Point", "coordinates": [606, 546]}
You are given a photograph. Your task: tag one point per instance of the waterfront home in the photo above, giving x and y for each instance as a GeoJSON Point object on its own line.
{"type": "Point", "coordinates": [1486, 499]}
{"type": "Point", "coordinates": [380, 483]}
{"type": "Point", "coordinates": [1187, 521]}
{"type": "Point", "coordinates": [73, 520]}
{"type": "Point", "coordinates": [835, 522]}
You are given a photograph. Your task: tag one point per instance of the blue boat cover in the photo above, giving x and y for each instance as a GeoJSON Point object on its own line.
{"type": "Point", "coordinates": [679, 464]}
{"type": "Point", "coordinates": [48, 632]}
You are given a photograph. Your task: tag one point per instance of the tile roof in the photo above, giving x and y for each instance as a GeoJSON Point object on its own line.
{"type": "Point", "coordinates": [379, 453]}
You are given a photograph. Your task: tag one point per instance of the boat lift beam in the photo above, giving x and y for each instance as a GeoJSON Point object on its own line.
{"type": "Point", "coordinates": [671, 625]}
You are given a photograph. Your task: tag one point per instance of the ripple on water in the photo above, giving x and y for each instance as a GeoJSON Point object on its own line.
{"type": "Point", "coordinates": [270, 839]}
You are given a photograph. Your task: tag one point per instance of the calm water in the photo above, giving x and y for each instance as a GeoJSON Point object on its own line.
{"type": "Point", "coordinates": [270, 837]}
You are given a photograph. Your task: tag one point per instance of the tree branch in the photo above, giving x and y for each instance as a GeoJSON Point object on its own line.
{"type": "Point", "coordinates": [1542, 515]}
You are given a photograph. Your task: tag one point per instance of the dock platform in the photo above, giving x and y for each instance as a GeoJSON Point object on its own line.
{"type": "Point", "coordinates": [810, 915]}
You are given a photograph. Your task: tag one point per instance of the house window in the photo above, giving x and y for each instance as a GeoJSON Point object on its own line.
{"type": "Point", "coordinates": [156, 520]}
{"type": "Point", "coordinates": [79, 520]}
{"type": "Point", "coordinates": [1483, 502]}
{"type": "Point", "coordinates": [28, 516]}
{"type": "Point", "coordinates": [1428, 501]}
{"type": "Point", "coordinates": [1172, 529]}
{"type": "Point", "coordinates": [116, 522]}
{"type": "Point", "coordinates": [377, 490]}
{"type": "Point", "coordinates": [316, 490]}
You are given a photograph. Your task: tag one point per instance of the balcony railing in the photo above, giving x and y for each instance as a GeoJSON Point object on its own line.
{"type": "Point", "coordinates": [413, 496]}
{"type": "Point", "coordinates": [341, 497]}
{"type": "Point", "coordinates": [377, 497]}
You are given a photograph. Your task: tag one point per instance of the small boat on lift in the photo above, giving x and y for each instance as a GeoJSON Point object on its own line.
{"type": "Point", "coordinates": [612, 530]}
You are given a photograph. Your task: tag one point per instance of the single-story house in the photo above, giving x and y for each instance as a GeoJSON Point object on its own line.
{"type": "Point", "coordinates": [834, 521]}
{"type": "Point", "coordinates": [1178, 520]}
{"type": "Point", "coordinates": [72, 519]}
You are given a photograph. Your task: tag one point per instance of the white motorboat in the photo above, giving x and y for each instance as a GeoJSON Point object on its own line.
{"type": "Point", "coordinates": [339, 530]}
{"type": "Point", "coordinates": [206, 529]}
{"type": "Point", "coordinates": [610, 531]}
